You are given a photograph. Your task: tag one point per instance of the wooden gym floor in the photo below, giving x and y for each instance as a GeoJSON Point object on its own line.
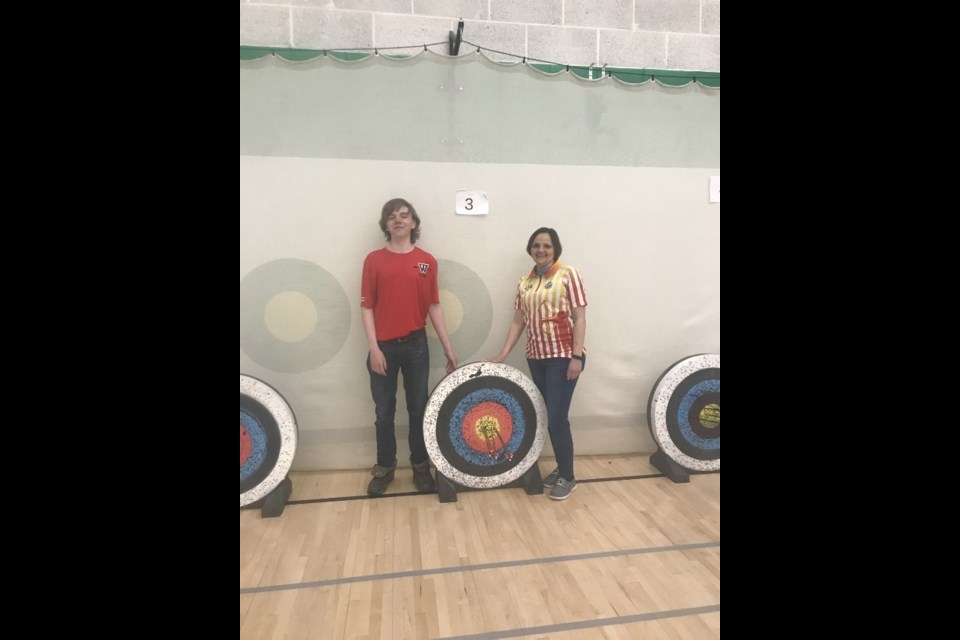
{"type": "Point", "coordinates": [629, 555]}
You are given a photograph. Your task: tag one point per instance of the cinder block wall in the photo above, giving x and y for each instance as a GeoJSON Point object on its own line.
{"type": "Point", "coordinates": [656, 34]}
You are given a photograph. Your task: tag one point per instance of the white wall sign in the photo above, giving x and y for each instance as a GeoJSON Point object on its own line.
{"type": "Point", "coordinates": [714, 189]}
{"type": "Point", "coordinates": [473, 203]}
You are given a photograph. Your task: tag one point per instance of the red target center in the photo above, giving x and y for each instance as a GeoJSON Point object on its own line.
{"type": "Point", "coordinates": [487, 428]}
{"type": "Point", "coordinates": [246, 446]}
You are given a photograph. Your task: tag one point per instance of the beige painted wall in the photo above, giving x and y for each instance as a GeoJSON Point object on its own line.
{"type": "Point", "coordinates": [644, 237]}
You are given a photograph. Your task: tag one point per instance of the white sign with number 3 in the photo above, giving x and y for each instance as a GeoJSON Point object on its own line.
{"type": "Point", "coordinates": [472, 203]}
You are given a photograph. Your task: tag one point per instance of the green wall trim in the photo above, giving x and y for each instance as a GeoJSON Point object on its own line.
{"type": "Point", "coordinates": [668, 77]}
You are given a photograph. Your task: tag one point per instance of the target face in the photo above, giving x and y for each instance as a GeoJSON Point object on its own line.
{"type": "Point", "coordinates": [268, 439]}
{"type": "Point", "coordinates": [485, 425]}
{"type": "Point", "coordinates": [467, 311]}
{"type": "Point", "coordinates": [684, 412]}
{"type": "Point", "coordinates": [294, 315]}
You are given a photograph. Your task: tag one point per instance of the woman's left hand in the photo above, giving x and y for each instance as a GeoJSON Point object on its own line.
{"type": "Point", "coordinates": [574, 369]}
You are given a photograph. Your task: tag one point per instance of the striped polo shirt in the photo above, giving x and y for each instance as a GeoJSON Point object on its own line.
{"type": "Point", "coordinates": [547, 302]}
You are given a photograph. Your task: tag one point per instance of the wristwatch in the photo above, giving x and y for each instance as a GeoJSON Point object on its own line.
{"type": "Point", "coordinates": [580, 357]}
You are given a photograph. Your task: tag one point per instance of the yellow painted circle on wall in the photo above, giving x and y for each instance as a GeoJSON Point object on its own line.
{"type": "Point", "coordinates": [294, 315]}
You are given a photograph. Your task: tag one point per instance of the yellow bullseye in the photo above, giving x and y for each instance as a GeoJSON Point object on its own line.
{"type": "Point", "coordinates": [710, 416]}
{"type": "Point", "coordinates": [488, 427]}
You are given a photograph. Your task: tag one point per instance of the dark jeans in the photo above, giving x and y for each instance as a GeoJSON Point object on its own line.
{"type": "Point", "coordinates": [413, 359]}
{"type": "Point", "coordinates": [550, 376]}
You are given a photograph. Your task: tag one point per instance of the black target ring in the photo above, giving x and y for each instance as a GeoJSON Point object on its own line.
{"type": "Point", "coordinates": [683, 412]}
{"type": "Point", "coordinates": [268, 439]}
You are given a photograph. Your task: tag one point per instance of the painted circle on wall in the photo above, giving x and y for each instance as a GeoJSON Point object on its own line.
{"type": "Point", "coordinates": [684, 412]}
{"type": "Point", "coordinates": [485, 425]}
{"type": "Point", "coordinates": [294, 315]}
{"type": "Point", "coordinates": [268, 439]}
{"type": "Point", "coordinates": [467, 312]}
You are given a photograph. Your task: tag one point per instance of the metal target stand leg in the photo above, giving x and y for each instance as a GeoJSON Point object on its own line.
{"type": "Point", "coordinates": [668, 467]}
{"type": "Point", "coordinates": [446, 488]}
{"type": "Point", "coordinates": [275, 502]}
{"type": "Point", "coordinates": [531, 481]}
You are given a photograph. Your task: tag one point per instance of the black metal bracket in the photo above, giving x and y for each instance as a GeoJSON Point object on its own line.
{"type": "Point", "coordinates": [456, 39]}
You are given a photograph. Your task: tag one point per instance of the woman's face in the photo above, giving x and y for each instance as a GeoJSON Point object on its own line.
{"type": "Point", "coordinates": [542, 250]}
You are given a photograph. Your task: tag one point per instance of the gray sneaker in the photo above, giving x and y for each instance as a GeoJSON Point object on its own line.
{"type": "Point", "coordinates": [551, 479]}
{"type": "Point", "coordinates": [563, 489]}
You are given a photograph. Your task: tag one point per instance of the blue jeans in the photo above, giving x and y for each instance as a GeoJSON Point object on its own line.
{"type": "Point", "coordinates": [550, 376]}
{"type": "Point", "coordinates": [413, 359]}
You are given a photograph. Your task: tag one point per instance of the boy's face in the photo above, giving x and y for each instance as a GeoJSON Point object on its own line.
{"type": "Point", "coordinates": [400, 223]}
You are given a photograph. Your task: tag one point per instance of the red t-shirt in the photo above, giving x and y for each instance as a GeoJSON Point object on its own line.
{"type": "Point", "coordinates": [399, 287]}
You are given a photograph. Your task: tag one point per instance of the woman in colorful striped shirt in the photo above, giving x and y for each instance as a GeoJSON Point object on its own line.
{"type": "Point", "coordinates": [552, 304]}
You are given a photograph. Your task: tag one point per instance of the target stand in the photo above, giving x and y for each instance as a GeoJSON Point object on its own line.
{"type": "Point", "coordinates": [531, 481]}
{"type": "Point", "coordinates": [484, 427]}
{"type": "Point", "coordinates": [275, 502]}
{"type": "Point", "coordinates": [684, 417]}
{"type": "Point", "coordinates": [668, 467]}
{"type": "Point", "coordinates": [268, 441]}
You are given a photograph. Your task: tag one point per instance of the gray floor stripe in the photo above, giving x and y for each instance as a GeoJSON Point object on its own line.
{"type": "Point", "coordinates": [586, 624]}
{"type": "Point", "coordinates": [474, 567]}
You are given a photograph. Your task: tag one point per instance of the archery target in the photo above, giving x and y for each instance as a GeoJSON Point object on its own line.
{"type": "Point", "coordinates": [485, 425]}
{"type": "Point", "coordinates": [294, 315]}
{"type": "Point", "coordinates": [467, 312]}
{"type": "Point", "coordinates": [684, 412]}
{"type": "Point", "coordinates": [268, 439]}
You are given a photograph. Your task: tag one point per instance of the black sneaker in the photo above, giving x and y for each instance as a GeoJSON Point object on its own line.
{"type": "Point", "coordinates": [382, 477]}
